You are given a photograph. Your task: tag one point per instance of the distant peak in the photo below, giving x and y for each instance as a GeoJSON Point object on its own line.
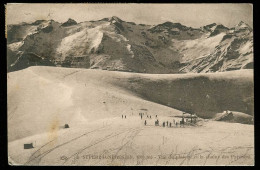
{"type": "Point", "coordinates": [243, 25]}
{"type": "Point", "coordinates": [173, 25]}
{"type": "Point", "coordinates": [37, 22]}
{"type": "Point", "coordinates": [215, 27]}
{"type": "Point", "coordinates": [69, 22]}
{"type": "Point", "coordinates": [170, 23]}
{"type": "Point", "coordinates": [115, 18]}
{"type": "Point", "coordinates": [112, 19]}
{"type": "Point", "coordinates": [167, 23]}
{"type": "Point", "coordinates": [210, 25]}
{"type": "Point", "coordinates": [220, 26]}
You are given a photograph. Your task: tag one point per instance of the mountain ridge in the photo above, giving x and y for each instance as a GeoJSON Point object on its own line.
{"type": "Point", "coordinates": [114, 44]}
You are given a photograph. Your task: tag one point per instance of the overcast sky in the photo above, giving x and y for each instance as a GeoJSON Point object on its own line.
{"type": "Point", "coordinates": [194, 15]}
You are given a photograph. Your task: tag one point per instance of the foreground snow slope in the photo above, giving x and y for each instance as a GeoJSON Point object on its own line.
{"type": "Point", "coordinates": [42, 99]}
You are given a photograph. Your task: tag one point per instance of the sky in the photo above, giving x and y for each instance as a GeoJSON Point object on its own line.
{"type": "Point", "coordinates": [193, 15]}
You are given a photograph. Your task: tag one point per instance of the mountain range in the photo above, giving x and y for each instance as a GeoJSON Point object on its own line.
{"type": "Point", "coordinates": [114, 44]}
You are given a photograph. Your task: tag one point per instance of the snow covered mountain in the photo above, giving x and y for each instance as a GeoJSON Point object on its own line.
{"type": "Point", "coordinates": [114, 44]}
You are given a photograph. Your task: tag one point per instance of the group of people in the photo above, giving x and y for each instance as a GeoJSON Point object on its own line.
{"type": "Point", "coordinates": [164, 123]}
{"type": "Point", "coordinates": [147, 116]}
{"type": "Point", "coordinates": [168, 123]}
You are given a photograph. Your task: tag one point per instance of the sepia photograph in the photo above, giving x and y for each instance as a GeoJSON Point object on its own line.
{"type": "Point", "coordinates": [130, 84]}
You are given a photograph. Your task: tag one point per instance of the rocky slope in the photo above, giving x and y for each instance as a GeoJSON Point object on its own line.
{"type": "Point", "coordinates": [113, 44]}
